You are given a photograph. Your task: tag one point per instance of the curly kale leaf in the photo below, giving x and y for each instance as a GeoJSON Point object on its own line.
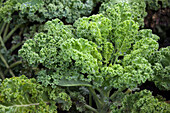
{"type": "Point", "coordinates": [119, 11]}
{"type": "Point", "coordinates": [141, 102]}
{"type": "Point", "coordinates": [136, 62]}
{"type": "Point", "coordinates": [43, 10]}
{"type": "Point", "coordinates": [43, 48]}
{"type": "Point", "coordinates": [70, 10]}
{"type": "Point", "coordinates": [146, 44]}
{"type": "Point", "coordinates": [81, 59]}
{"type": "Point", "coordinates": [124, 37]}
{"type": "Point", "coordinates": [20, 94]}
{"type": "Point", "coordinates": [96, 28]}
{"type": "Point", "coordinates": [161, 67]}
{"type": "Point", "coordinates": [6, 10]}
{"type": "Point", "coordinates": [77, 60]}
{"type": "Point", "coordinates": [8, 7]}
{"type": "Point", "coordinates": [57, 28]}
{"type": "Point", "coordinates": [80, 53]}
{"type": "Point", "coordinates": [127, 64]}
{"type": "Point", "coordinates": [131, 74]}
{"type": "Point", "coordinates": [71, 58]}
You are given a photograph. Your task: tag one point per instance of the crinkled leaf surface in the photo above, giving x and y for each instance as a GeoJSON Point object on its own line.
{"type": "Point", "coordinates": [20, 94]}
{"type": "Point", "coordinates": [101, 51]}
{"type": "Point", "coordinates": [161, 67]}
{"type": "Point", "coordinates": [141, 102]}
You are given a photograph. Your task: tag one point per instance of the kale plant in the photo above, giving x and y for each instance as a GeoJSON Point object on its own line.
{"type": "Point", "coordinates": [80, 64]}
{"type": "Point", "coordinates": [43, 10]}
{"type": "Point", "coordinates": [21, 19]}
{"type": "Point", "coordinates": [20, 94]}
{"type": "Point", "coordinates": [105, 55]}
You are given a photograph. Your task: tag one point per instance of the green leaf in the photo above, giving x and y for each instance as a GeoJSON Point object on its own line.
{"type": "Point", "coordinates": [20, 94]}
{"type": "Point", "coordinates": [141, 102]}
{"type": "Point", "coordinates": [161, 67]}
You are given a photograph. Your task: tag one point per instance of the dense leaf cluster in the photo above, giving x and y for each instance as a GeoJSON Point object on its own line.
{"type": "Point", "coordinates": [161, 68]}
{"type": "Point", "coordinates": [21, 19]}
{"type": "Point", "coordinates": [141, 102]}
{"type": "Point", "coordinates": [101, 58]}
{"type": "Point", "coordinates": [43, 10]}
{"type": "Point", "coordinates": [20, 94]}
{"type": "Point", "coordinates": [97, 49]}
